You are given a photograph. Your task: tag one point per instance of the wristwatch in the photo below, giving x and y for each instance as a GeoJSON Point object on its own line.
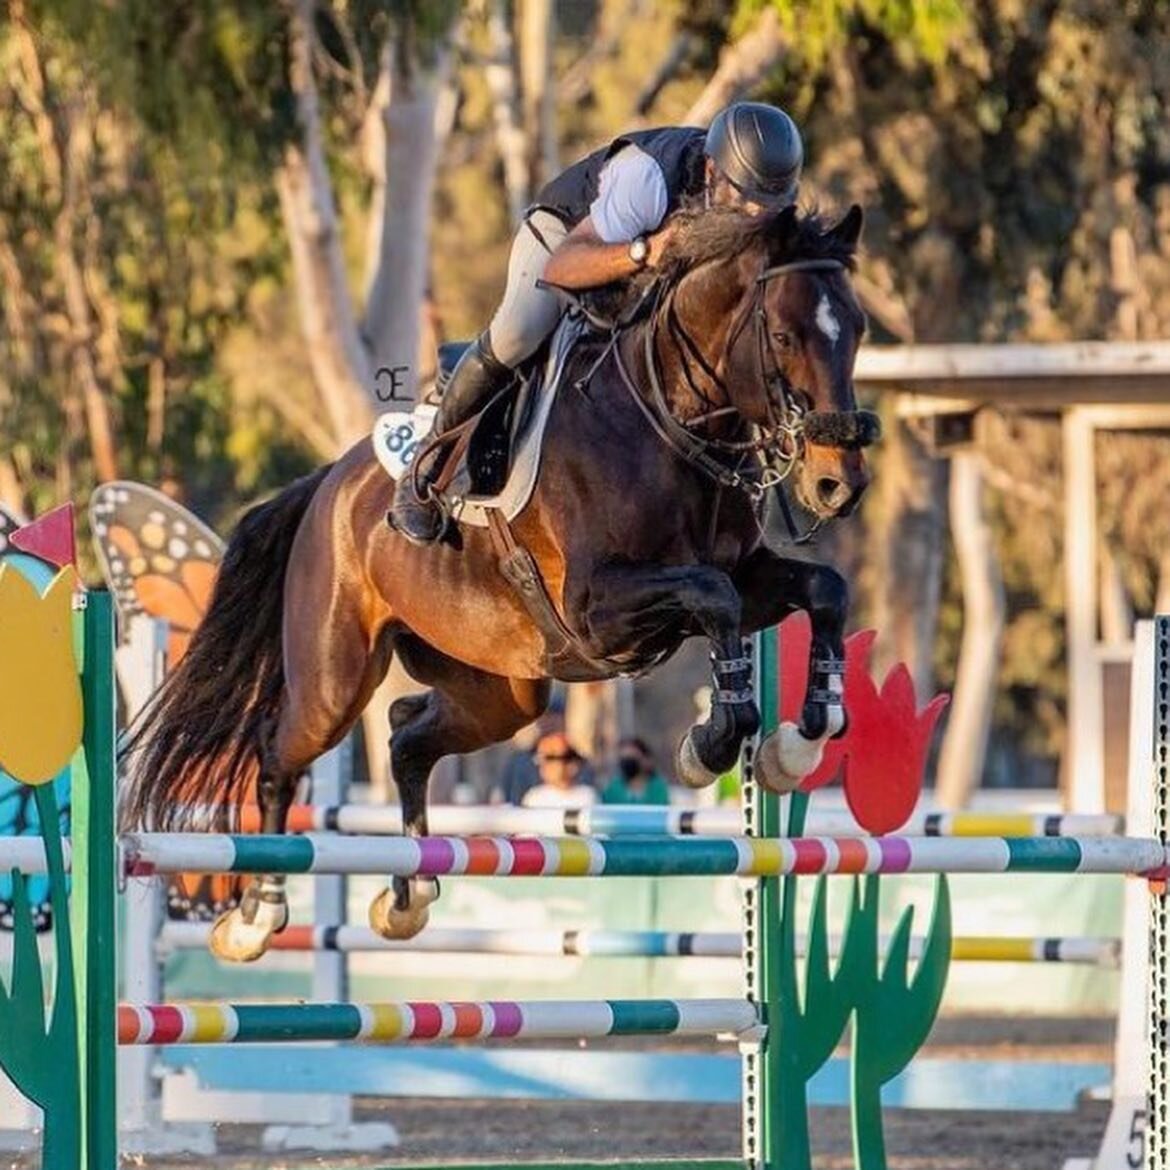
{"type": "Point", "coordinates": [639, 250]}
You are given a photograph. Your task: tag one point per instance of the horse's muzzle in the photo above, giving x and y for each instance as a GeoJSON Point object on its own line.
{"type": "Point", "coordinates": [850, 430]}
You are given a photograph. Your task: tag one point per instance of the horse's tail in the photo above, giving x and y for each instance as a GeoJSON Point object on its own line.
{"type": "Point", "coordinates": [196, 745]}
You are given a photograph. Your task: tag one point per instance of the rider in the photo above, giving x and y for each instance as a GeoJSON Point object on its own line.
{"type": "Point", "coordinates": [599, 221]}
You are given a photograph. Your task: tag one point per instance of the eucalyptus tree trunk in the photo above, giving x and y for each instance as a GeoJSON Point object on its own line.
{"type": "Point", "coordinates": [969, 726]}
{"type": "Point", "coordinates": [537, 40]}
{"type": "Point", "coordinates": [409, 90]}
{"type": "Point", "coordinates": [1116, 610]}
{"type": "Point", "coordinates": [64, 126]}
{"type": "Point", "coordinates": [340, 363]}
{"type": "Point", "coordinates": [742, 66]}
{"type": "Point", "coordinates": [909, 483]}
{"type": "Point", "coordinates": [511, 141]}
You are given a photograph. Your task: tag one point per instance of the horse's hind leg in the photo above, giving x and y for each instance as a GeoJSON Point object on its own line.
{"type": "Point", "coordinates": [329, 680]}
{"type": "Point", "coordinates": [243, 934]}
{"type": "Point", "coordinates": [467, 709]}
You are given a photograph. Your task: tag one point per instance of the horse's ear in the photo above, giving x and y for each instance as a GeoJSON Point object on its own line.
{"type": "Point", "coordinates": [848, 231]}
{"type": "Point", "coordinates": [784, 224]}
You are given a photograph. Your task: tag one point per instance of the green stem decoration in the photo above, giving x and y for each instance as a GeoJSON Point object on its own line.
{"type": "Point", "coordinates": [893, 1011]}
{"type": "Point", "coordinates": [809, 1027]}
{"type": "Point", "coordinates": [41, 1058]}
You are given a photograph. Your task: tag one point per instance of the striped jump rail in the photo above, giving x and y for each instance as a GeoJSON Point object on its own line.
{"type": "Point", "coordinates": [176, 936]}
{"type": "Point", "coordinates": [146, 854]}
{"type": "Point", "coordinates": [407, 1022]}
{"type": "Point", "coordinates": [626, 820]}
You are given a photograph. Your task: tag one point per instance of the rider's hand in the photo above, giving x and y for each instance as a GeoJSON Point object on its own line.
{"type": "Point", "coordinates": [659, 242]}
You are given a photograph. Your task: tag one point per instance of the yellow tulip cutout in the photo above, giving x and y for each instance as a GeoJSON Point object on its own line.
{"type": "Point", "coordinates": [40, 692]}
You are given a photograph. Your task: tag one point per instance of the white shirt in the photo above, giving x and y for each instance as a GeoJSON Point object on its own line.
{"type": "Point", "coordinates": [632, 197]}
{"type": "Point", "coordinates": [547, 796]}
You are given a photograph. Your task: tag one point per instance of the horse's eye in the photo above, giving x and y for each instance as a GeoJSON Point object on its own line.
{"type": "Point", "coordinates": [783, 339]}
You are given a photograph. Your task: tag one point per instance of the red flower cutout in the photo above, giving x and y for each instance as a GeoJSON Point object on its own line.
{"type": "Point", "coordinates": [887, 742]}
{"type": "Point", "coordinates": [883, 750]}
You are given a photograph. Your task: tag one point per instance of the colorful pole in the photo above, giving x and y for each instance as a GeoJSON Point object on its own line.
{"type": "Point", "coordinates": [403, 1022]}
{"type": "Point", "coordinates": [147, 854]}
{"type": "Point", "coordinates": [626, 821]}
{"type": "Point", "coordinates": [178, 936]}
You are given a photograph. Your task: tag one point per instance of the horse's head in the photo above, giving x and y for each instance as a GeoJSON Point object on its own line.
{"type": "Point", "coordinates": [782, 328]}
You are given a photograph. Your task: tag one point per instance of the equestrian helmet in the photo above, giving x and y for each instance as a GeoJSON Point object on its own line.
{"type": "Point", "coordinates": [758, 149]}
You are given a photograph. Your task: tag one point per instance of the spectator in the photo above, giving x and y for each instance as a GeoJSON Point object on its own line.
{"type": "Point", "coordinates": [637, 780]}
{"type": "Point", "coordinates": [562, 772]}
{"type": "Point", "coordinates": [519, 773]}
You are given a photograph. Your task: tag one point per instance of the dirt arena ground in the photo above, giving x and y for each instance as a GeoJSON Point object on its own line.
{"type": "Point", "coordinates": [444, 1131]}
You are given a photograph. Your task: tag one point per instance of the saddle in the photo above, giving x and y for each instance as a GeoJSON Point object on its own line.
{"type": "Point", "coordinates": [494, 457]}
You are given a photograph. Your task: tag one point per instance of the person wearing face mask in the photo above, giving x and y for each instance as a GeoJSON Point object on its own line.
{"type": "Point", "coordinates": [563, 776]}
{"type": "Point", "coordinates": [637, 780]}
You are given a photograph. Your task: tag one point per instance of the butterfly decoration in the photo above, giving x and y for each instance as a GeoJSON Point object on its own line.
{"type": "Point", "coordinates": [18, 810]}
{"type": "Point", "coordinates": [161, 561]}
{"type": "Point", "coordinates": [157, 558]}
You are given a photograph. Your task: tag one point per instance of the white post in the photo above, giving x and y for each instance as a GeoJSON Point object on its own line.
{"type": "Point", "coordinates": [141, 665]}
{"type": "Point", "coordinates": [1085, 744]}
{"type": "Point", "coordinates": [1127, 1139]}
{"type": "Point", "coordinates": [331, 968]}
{"type": "Point", "coordinates": [1157, 1144]}
{"type": "Point", "coordinates": [327, 1120]}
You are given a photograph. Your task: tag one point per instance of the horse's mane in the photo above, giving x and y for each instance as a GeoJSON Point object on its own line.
{"type": "Point", "coordinates": [781, 236]}
{"type": "Point", "coordinates": [706, 235]}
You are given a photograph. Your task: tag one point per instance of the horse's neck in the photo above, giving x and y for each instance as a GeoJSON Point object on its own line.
{"type": "Point", "coordinates": [689, 356]}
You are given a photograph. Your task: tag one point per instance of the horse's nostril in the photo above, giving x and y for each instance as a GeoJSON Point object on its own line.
{"type": "Point", "coordinates": [831, 492]}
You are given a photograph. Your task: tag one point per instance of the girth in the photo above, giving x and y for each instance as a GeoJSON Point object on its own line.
{"type": "Point", "coordinates": [566, 655]}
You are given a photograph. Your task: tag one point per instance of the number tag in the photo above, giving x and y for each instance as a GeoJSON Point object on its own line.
{"type": "Point", "coordinates": [398, 436]}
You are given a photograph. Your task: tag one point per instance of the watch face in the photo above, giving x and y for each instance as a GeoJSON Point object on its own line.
{"type": "Point", "coordinates": [638, 250]}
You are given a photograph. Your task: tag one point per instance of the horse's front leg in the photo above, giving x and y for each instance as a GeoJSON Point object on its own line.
{"type": "Point", "coordinates": [629, 606]}
{"type": "Point", "coordinates": [772, 587]}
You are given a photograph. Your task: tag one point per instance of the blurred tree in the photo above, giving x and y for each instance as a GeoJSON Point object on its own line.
{"type": "Point", "coordinates": [278, 95]}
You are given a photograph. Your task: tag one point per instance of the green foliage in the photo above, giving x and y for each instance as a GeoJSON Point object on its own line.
{"type": "Point", "coordinates": [207, 78]}
{"type": "Point", "coordinates": [168, 262]}
{"type": "Point", "coordinates": [923, 29]}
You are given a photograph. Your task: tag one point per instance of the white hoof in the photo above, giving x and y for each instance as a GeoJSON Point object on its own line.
{"type": "Point", "coordinates": [691, 770]}
{"type": "Point", "coordinates": [786, 757]}
{"type": "Point", "coordinates": [237, 941]}
{"type": "Point", "coordinates": [389, 922]}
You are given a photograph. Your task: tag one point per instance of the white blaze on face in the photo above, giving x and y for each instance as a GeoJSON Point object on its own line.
{"type": "Point", "coordinates": [826, 320]}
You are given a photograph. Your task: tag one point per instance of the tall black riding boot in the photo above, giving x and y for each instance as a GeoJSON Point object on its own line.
{"type": "Point", "coordinates": [478, 376]}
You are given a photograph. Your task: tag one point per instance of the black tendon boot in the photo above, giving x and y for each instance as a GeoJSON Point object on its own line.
{"type": "Point", "coordinates": [479, 375]}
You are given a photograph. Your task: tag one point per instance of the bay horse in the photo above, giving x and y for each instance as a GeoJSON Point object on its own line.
{"type": "Point", "coordinates": [644, 529]}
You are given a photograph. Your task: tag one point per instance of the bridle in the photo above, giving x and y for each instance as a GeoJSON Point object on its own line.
{"type": "Point", "coordinates": [752, 466]}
